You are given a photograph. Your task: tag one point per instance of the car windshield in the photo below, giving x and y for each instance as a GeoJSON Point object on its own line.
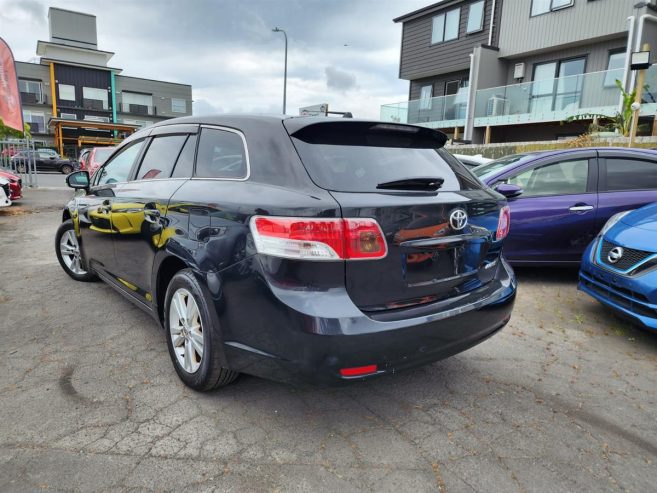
{"type": "Point", "coordinates": [486, 170]}
{"type": "Point", "coordinates": [102, 154]}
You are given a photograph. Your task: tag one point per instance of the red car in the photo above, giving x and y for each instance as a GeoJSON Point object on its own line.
{"type": "Point", "coordinates": [94, 158]}
{"type": "Point", "coordinates": [15, 185]}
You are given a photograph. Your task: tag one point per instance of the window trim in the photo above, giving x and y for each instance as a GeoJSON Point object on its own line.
{"type": "Point", "coordinates": [458, 26]}
{"type": "Point", "coordinates": [550, 10]}
{"type": "Point", "coordinates": [483, 17]}
{"type": "Point", "coordinates": [246, 154]}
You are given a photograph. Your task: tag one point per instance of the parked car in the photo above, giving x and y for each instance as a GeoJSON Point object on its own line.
{"type": "Point", "coordinates": [82, 158]}
{"type": "Point", "coordinates": [472, 161]}
{"type": "Point", "coordinates": [619, 268]}
{"type": "Point", "coordinates": [4, 193]}
{"type": "Point", "coordinates": [560, 199]}
{"type": "Point", "coordinates": [15, 185]}
{"type": "Point", "coordinates": [287, 254]}
{"type": "Point", "coordinates": [97, 157]}
{"type": "Point", "coordinates": [45, 159]}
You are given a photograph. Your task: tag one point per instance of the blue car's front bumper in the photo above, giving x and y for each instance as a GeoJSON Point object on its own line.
{"type": "Point", "coordinates": [634, 297]}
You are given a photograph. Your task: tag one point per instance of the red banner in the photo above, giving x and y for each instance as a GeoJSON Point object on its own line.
{"type": "Point", "coordinates": [11, 112]}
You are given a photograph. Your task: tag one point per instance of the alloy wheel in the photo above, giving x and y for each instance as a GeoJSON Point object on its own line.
{"type": "Point", "coordinates": [70, 250]}
{"type": "Point", "coordinates": [186, 330]}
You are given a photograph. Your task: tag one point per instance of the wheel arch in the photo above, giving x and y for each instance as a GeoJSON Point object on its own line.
{"type": "Point", "coordinates": [167, 267]}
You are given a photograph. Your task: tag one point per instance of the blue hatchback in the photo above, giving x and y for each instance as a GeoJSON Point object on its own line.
{"type": "Point", "coordinates": [619, 268]}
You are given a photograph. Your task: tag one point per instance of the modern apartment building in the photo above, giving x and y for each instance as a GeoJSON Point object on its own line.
{"type": "Point", "coordinates": [516, 70]}
{"type": "Point", "coordinates": [74, 98]}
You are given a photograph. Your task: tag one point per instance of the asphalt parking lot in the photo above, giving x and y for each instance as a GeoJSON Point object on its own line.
{"type": "Point", "coordinates": [563, 399]}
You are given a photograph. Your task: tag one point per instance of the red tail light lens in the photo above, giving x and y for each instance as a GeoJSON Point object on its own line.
{"type": "Point", "coordinates": [358, 371]}
{"type": "Point", "coordinates": [503, 223]}
{"type": "Point", "coordinates": [318, 239]}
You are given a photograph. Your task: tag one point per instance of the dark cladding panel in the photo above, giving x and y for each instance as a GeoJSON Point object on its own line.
{"type": "Point", "coordinates": [80, 77]}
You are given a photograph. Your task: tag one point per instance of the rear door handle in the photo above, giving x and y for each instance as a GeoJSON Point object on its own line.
{"type": "Point", "coordinates": [581, 208]}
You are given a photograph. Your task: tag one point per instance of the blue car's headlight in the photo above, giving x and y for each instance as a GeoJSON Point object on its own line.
{"type": "Point", "coordinates": [613, 220]}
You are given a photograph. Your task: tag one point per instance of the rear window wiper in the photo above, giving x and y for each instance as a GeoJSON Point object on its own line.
{"type": "Point", "coordinates": [421, 184]}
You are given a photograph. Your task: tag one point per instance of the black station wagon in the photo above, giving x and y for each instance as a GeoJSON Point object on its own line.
{"type": "Point", "coordinates": [298, 249]}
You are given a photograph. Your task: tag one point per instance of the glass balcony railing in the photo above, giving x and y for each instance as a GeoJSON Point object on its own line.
{"type": "Point", "coordinates": [438, 112]}
{"type": "Point", "coordinates": [556, 99]}
{"type": "Point", "coordinates": [138, 109]}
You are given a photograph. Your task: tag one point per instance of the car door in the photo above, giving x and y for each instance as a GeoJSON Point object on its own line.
{"type": "Point", "coordinates": [554, 218]}
{"type": "Point", "coordinates": [628, 180]}
{"type": "Point", "coordinates": [46, 161]}
{"type": "Point", "coordinates": [140, 211]}
{"type": "Point", "coordinates": [95, 210]}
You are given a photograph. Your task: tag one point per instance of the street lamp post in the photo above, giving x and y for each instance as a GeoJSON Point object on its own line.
{"type": "Point", "coordinates": [279, 30]}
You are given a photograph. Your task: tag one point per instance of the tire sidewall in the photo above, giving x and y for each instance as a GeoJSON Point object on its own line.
{"type": "Point", "coordinates": [63, 228]}
{"type": "Point", "coordinates": [203, 378]}
{"type": "Point", "coordinates": [66, 167]}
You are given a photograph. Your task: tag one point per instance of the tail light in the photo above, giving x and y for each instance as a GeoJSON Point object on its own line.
{"type": "Point", "coordinates": [318, 239]}
{"type": "Point", "coordinates": [503, 223]}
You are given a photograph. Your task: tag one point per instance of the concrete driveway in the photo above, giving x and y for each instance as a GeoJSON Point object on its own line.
{"type": "Point", "coordinates": [563, 399]}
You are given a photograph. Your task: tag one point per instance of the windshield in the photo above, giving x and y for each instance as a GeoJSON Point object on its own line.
{"type": "Point", "coordinates": [486, 170]}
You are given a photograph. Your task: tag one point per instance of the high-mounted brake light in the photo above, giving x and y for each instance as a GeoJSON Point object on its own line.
{"type": "Point", "coordinates": [318, 239]}
{"type": "Point", "coordinates": [503, 223]}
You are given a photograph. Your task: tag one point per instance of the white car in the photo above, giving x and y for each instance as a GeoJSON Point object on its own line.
{"type": "Point", "coordinates": [4, 193]}
{"type": "Point", "coordinates": [472, 161]}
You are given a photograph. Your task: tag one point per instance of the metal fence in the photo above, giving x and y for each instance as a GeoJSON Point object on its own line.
{"type": "Point", "coordinates": [18, 157]}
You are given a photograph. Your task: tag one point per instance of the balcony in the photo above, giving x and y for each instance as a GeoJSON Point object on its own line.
{"type": "Point", "coordinates": [94, 104]}
{"type": "Point", "coordinates": [557, 99]}
{"type": "Point", "coordinates": [438, 112]}
{"type": "Point", "coordinates": [32, 98]}
{"type": "Point", "coordinates": [138, 109]}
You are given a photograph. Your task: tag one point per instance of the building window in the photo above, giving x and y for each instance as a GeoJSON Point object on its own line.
{"type": "Point", "coordinates": [30, 91]}
{"type": "Point", "coordinates": [178, 105]}
{"type": "Point", "coordinates": [557, 86]}
{"type": "Point", "coordinates": [94, 98]}
{"type": "Point", "coordinates": [445, 26]}
{"type": "Point", "coordinates": [136, 103]}
{"type": "Point", "coordinates": [36, 121]}
{"type": "Point", "coordinates": [615, 68]}
{"type": "Point", "coordinates": [476, 17]}
{"type": "Point", "coordinates": [425, 97]}
{"type": "Point", "coordinates": [68, 116]}
{"type": "Point", "coordinates": [544, 6]}
{"type": "Point", "coordinates": [66, 92]}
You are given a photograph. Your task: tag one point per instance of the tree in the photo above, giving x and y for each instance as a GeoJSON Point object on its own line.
{"type": "Point", "coordinates": [10, 133]}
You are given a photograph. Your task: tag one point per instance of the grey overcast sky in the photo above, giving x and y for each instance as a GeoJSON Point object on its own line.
{"type": "Point", "coordinates": [341, 52]}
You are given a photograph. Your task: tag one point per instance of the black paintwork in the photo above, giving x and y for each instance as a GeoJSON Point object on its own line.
{"type": "Point", "coordinates": [51, 162]}
{"type": "Point", "coordinates": [430, 297]}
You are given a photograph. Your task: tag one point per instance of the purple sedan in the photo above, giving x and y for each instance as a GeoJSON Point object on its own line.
{"type": "Point", "coordinates": [561, 199]}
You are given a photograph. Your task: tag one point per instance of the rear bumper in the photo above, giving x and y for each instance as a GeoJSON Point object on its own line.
{"type": "Point", "coordinates": [631, 298]}
{"type": "Point", "coordinates": [306, 341]}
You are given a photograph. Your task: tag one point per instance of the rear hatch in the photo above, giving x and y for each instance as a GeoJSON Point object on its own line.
{"type": "Point", "coordinates": [438, 221]}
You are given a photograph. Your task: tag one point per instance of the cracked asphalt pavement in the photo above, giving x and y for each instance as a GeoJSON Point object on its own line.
{"type": "Point", "coordinates": [563, 399]}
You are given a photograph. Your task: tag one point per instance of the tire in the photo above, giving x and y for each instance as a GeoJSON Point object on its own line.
{"type": "Point", "coordinates": [21, 168]}
{"type": "Point", "coordinates": [66, 169]}
{"type": "Point", "coordinates": [206, 374]}
{"type": "Point", "coordinates": [71, 258]}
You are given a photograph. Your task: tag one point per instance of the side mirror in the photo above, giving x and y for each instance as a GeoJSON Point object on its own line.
{"type": "Point", "coordinates": [78, 180]}
{"type": "Point", "coordinates": [51, 157]}
{"type": "Point", "coordinates": [508, 190]}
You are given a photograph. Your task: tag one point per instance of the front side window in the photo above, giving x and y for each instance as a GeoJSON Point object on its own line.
{"type": "Point", "coordinates": [178, 105]}
{"type": "Point", "coordinates": [445, 27]}
{"type": "Point", "coordinates": [118, 169]}
{"type": "Point", "coordinates": [66, 92]}
{"type": "Point", "coordinates": [562, 178]}
{"type": "Point", "coordinates": [160, 157]}
{"type": "Point", "coordinates": [615, 66]}
{"type": "Point", "coordinates": [221, 154]}
{"type": "Point", "coordinates": [544, 6]}
{"type": "Point", "coordinates": [631, 174]}
{"type": "Point", "coordinates": [476, 17]}
{"type": "Point", "coordinates": [425, 97]}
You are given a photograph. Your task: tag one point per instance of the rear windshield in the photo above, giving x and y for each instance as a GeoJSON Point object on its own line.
{"type": "Point", "coordinates": [357, 159]}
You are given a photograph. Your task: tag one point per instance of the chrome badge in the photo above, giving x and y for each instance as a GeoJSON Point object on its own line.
{"type": "Point", "coordinates": [458, 219]}
{"type": "Point", "coordinates": [615, 254]}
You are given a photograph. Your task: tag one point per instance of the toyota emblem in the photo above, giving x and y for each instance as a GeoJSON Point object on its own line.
{"type": "Point", "coordinates": [615, 255]}
{"type": "Point", "coordinates": [458, 219]}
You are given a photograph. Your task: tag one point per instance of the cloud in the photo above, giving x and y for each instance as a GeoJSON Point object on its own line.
{"type": "Point", "coordinates": [338, 79]}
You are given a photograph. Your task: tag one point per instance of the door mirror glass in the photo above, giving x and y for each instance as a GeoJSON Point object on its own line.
{"type": "Point", "coordinates": [78, 179]}
{"type": "Point", "coordinates": [508, 190]}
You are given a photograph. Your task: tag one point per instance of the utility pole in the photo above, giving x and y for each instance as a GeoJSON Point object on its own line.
{"type": "Point", "coordinates": [279, 30]}
{"type": "Point", "coordinates": [636, 107]}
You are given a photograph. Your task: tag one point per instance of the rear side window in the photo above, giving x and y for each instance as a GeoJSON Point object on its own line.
{"type": "Point", "coordinates": [221, 154]}
{"type": "Point", "coordinates": [358, 156]}
{"type": "Point", "coordinates": [631, 174]}
{"type": "Point", "coordinates": [160, 157]}
{"type": "Point", "coordinates": [185, 164]}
